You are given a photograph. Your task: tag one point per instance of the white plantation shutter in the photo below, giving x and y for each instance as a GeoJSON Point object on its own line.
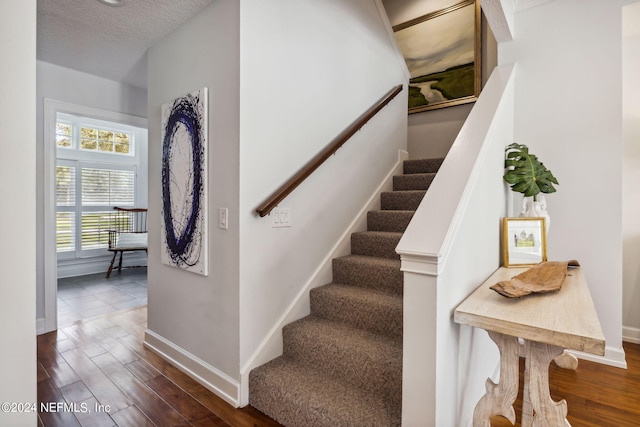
{"type": "Point", "coordinates": [65, 231]}
{"type": "Point", "coordinates": [87, 205]}
{"type": "Point", "coordinates": [65, 186]}
{"type": "Point", "coordinates": [95, 229]}
{"type": "Point", "coordinates": [65, 207]}
{"type": "Point", "coordinates": [108, 187]}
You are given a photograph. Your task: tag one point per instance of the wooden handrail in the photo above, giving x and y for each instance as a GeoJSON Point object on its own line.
{"type": "Point", "coordinates": [322, 156]}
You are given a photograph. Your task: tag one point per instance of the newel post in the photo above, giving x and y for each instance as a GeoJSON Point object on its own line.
{"type": "Point", "coordinates": [419, 379]}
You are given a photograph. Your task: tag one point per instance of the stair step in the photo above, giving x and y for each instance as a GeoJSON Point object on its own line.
{"type": "Point", "coordinates": [387, 220]}
{"type": "Point", "coordinates": [422, 165]}
{"type": "Point", "coordinates": [295, 394]}
{"type": "Point", "coordinates": [416, 181]}
{"type": "Point", "coordinates": [375, 243]}
{"type": "Point", "coordinates": [401, 200]}
{"type": "Point", "coordinates": [363, 359]}
{"type": "Point", "coordinates": [382, 274]}
{"type": "Point", "coordinates": [367, 309]}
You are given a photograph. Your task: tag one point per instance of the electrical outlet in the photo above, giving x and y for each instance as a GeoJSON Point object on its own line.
{"type": "Point", "coordinates": [280, 217]}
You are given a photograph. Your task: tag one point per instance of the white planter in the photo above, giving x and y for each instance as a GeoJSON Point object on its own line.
{"type": "Point", "coordinates": [536, 209]}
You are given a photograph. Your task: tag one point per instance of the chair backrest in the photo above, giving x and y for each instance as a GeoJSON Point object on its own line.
{"type": "Point", "coordinates": [130, 220]}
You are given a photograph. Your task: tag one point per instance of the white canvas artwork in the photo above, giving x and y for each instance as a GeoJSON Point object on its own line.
{"type": "Point", "coordinates": [184, 183]}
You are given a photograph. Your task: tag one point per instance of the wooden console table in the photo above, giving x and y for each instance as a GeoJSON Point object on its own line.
{"type": "Point", "coordinates": [548, 323]}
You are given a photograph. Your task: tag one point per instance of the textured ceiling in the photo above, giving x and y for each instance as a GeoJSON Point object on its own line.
{"type": "Point", "coordinates": [106, 41]}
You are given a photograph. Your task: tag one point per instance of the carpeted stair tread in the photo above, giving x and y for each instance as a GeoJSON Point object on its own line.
{"type": "Point", "coordinates": [364, 359]}
{"type": "Point", "coordinates": [367, 309]}
{"type": "Point", "coordinates": [369, 272]}
{"type": "Point", "coordinates": [375, 243]}
{"type": "Point", "coordinates": [401, 200]}
{"type": "Point", "coordinates": [421, 166]}
{"type": "Point", "coordinates": [382, 220]}
{"type": "Point", "coordinates": [295, 395]}
{"type": "Point", "coordinates": [417, 181]}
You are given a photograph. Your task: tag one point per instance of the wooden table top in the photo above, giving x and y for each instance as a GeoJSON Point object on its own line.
{"type": "Point", "coordinates": [566, 318]}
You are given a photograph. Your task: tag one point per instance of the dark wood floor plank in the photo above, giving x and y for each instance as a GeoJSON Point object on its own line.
{"type": "Point", "coordinates": [49, 394]}
{"type": "Point", "coordinates": [597, 395]}
{"type": "Point", "coordinates": [141, 369]}
{"type": "Point", "coordinates": [42, 373]}
{"type": "Point", "coordinates": [181, 401]}
{"type": "Point", "coordinates": [47, 354]}
{"type": "Point", "coordinates": [100, 385]}
{"type": "Point", "coordinates": [62, 374]}
{"type": "Point", "coordinates": [76, 392]}
{"type": "Point", "coordinates": [95, 416]}
{"type": "Point", "coordinates": [118, 350]}
{"type": "Point", "coordinates": [145, 399]}
{"type": "Point", "coordinates": [131, 417]}
{"type": "Point", "coordinates": [64, 345]}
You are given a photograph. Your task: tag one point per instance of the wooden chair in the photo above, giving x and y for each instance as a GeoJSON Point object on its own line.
{"type": "Point", "coordinates": [129, 233]}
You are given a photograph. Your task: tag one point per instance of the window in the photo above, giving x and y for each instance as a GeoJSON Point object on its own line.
{"type": "Point", "coordinates": [105, 141]}
{"type": "Point", "coordinates": [96, 169]}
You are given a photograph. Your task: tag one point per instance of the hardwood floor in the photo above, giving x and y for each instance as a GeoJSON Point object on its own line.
{"type": "Point", "coordinates": [96, 373]}
{"type": "Point", "coordinates": [597, 395]}
{"type": "Point", "coordinates": [101, 361]}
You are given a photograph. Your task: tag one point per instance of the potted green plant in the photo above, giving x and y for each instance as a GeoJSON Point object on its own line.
{"type": "Point", "coordinates": [527, 175]}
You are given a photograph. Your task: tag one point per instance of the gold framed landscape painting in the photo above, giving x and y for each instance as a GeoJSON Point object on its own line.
{"type": "Point", "coordinates": [442, 52]}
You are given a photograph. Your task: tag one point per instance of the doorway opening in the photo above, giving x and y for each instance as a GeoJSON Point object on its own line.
{"type": "Point", "coordinates": [94, 160]}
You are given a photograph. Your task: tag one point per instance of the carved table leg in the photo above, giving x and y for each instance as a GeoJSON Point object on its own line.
{"type": "Point", "coordinates": [499, 398]}
{"type": "Point", "coordinates": [538, 409]}
{"type": "Point", "coordinates": [567, 361]}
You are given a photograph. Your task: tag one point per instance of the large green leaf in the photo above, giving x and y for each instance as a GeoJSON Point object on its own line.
{"type": "Point", "coordinates": [525, 173]}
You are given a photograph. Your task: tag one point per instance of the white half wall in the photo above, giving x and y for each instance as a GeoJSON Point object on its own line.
{"type": "Point", "coordinates": [18, 218]}
{"type": "Point", "coordinates": [447, 253]}
{"type": "Point", "coordinates": [569, 112]}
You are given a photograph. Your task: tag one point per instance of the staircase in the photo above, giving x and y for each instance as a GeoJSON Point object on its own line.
{"type": "Point", "coordinates": [342, 364]}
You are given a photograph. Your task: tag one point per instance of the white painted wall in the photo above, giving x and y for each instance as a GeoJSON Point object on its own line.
{"type": "Point", "coordinates": [18, 218]}
{"type": "Point", "coordinates": [631, 171]}
{"type": "Point", "coordinates": [193, 316]}
{"type": "Point", "coordinates": [569, 112]}
{"type": "Point", "coordinates": [66, 85]}
{"type": "Point", "coordinates": [308, 69]}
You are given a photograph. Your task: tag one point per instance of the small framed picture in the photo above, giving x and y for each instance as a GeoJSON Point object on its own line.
{"type": "Point", "coordinates": [524, 241]}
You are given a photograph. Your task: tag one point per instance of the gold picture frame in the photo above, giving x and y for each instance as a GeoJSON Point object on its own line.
{"type": "Point", "coordinates": [524, 241]}
{"type": "Point", "coordinates": [442, 52]}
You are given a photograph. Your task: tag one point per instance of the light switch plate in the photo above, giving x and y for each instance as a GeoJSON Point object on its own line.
{"type": "Point", "coordinates": [223, 218]}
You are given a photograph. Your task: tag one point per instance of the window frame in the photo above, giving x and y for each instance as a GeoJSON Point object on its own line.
{"type": "Point", "coordinates": [78, 158]}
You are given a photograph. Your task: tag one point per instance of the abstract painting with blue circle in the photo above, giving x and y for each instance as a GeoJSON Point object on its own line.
{"type": "Point", "coordinates": [184, 182]}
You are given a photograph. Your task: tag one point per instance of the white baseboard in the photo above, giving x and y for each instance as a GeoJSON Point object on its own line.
{"type": "Point", "coordinates": [93, 265]}
{"type": "Point", "coordinates": [613, 356]}
{"type": "Point", "coordinates": [271, 345]}
{"type": "Point", "coordinates": [214, 380]}
{"type": "Point", "coordinates": [630, 334]}
{"type": "Point", "coordinates": [40, 326]}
